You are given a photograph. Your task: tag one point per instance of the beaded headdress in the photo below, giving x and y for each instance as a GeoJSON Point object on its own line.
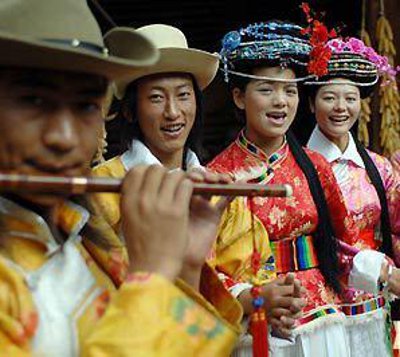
{"type": "Point", "coordinates": [273, 43]}
{"type": "Point", "coordinates": [352, 60]}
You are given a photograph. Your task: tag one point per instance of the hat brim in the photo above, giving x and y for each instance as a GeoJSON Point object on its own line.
{"type": "Point", "coordinates": [202, 65]}
{"type": "Point", "coordinates": [31, 53]}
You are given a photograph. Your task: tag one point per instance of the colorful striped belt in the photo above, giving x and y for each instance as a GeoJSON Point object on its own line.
{"type": "Point", "coordinates": [318, 314]}
{"type": "Point", "coordinates": [294, 254]}
{"type": "Point", "coordinates": [364, 306]}
{"type": "Point", "coordinates": [349, 310]}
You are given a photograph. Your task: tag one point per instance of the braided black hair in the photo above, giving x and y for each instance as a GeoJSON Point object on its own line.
{"type": "Point", "coordinates": [377, 182]}
{"type": "Point", "coordinates": [324, 238]}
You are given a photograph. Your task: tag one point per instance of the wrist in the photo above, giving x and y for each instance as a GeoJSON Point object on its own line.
{"type": "Point", "coordinates": [169, 270]}
{"type": "Point", "coordinates": [384, 273]}
{"type": "Point", "coordinates": [246, 300]}
{"type": "Point", "coordinates": [191, 275]}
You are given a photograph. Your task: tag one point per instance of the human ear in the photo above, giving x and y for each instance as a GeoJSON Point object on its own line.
{"type": "Point", "coordinates": [238, 98]}
{"type": "Point", "coordinates": [312, 105]}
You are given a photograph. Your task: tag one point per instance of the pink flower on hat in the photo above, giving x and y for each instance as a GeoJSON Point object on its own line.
{"type": "Point", "coordinates": [337, 45]}
{"type": "Point", "coordinates": [355, 45]}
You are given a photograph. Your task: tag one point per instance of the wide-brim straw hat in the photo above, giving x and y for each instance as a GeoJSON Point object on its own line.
{"type": "Point", "coordinates": [175, 57]}
{"type": "Point", "coordinates": [64, 35]}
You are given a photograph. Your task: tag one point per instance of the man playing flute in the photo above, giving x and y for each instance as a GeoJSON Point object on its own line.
{"type": "Point", "coordinates": [68, 285]}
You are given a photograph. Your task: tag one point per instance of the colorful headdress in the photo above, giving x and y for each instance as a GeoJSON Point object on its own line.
{"type": "Point", "coordinates": [273, 43]}
{"type": "Point", "coordinates": [352, 60]}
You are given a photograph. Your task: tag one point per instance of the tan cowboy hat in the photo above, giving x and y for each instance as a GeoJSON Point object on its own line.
{"type": "Point", "coordinates": [64, 35]}
{"type": "Point", "coordinates": [175, 56]}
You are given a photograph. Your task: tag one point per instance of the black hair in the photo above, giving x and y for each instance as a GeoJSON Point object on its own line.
{"type": "Point", "coordinates": [324, 238]}
{"type": "Point", "coordinates": [376, 181]}
{"type": "Point", "coordinates": [130, 128]}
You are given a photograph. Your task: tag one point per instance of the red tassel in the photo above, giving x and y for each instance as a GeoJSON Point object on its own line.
{"type": "Point", "coordinates": [259, 331]}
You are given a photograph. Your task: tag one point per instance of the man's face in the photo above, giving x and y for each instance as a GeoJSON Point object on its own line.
{"type": "Point", "coordinates": [49, 124]}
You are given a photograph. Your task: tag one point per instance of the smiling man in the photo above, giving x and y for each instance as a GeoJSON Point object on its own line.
{"type": "Point", "coordinates": [68, 286]}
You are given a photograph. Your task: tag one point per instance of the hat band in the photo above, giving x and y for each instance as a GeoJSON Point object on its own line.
{"type": "Point", "coordinates": [358, 84]}
{"type": "Point", "coordinates": [269, 79]}
{"type": "Point", "coordinates": [75, 43]}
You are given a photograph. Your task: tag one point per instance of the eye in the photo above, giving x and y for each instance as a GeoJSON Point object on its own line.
{"type": "Point", "coordinates": [156, 98]}
{"type": "Point", "coordinates": [328, 98]}
{"type": "Point", "coordinates": [88, 107]}
{"type": "Point", "coordinates": [184, 95]}
{"type": "Point", "coordinates": [292, 91]}
{"type": "Point", "coordinates": [351, 99]}
{"type": "Point", "coordinates": [264, 90]}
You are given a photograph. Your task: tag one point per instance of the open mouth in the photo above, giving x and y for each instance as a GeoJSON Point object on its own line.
{"type": "Point", "coordinates": [173, 130]}
{"type": "Point", "coordinates": [278, 118]}
{"type": "Point", "coordinates": [339, 119]}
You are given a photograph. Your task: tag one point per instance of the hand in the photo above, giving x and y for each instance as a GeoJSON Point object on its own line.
{"type": "Point", "coordinates": [204, 219]}
{"type": "Point", "coordinates": [283, 303]}
{"type": "Point", "coordinates": [155, 219]}
{"type": "Point", "coordinates": [394, 281]}
{"type": "Point", "coordinates": [203, 225]}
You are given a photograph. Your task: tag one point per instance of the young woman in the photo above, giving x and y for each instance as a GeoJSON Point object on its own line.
{"type": "Point", "coordinates": [369, 183]}
{"type": "Point", "coordinates": [264, 63]}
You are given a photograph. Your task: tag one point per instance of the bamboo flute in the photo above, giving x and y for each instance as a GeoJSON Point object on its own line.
{"type": "Point", "coordinates": [81, 185]}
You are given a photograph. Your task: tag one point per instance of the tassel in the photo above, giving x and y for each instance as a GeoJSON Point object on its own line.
{"type": "Point", "coordinates": [258, 319]}
{"type": "Point", "coordinates": [258, 329]}
{"type": "Point", "coordinates": [258, 324]}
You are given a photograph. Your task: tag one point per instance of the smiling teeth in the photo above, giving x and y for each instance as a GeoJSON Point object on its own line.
{"type": "Point", "coordinates": [339, 119]}
{"type": "Point", "coordinates": [173, 128]}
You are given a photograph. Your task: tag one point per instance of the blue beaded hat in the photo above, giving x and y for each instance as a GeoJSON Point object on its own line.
{"type": "Point", "coordinates": [272, 43]}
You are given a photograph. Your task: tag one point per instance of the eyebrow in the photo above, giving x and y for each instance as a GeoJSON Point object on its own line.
{"type": "Point", "coordinates": [32, 81]}
{"type": "Point", "coordinates": [334, 93]}
{"type": "Point", "coordinates": [287, 84]}
{"type": "Point", "coordinates": [177, 87]}
{"type": "Point", "coordinates": [35, 82]}
{"type": "Point", "coordinates": [92, 92]}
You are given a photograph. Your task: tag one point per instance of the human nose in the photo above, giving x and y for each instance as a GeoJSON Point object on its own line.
{"type": "Point", "coordinates": [279, 99]}
{"type": "Point", "coordinates": [340, 105]}
{"type": "Point", "coordinates": [60, 132]}
{"type": "Point", "coordinates": [171, 110]}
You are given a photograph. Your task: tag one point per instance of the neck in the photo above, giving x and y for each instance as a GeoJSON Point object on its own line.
{"type": "Point", "coordinates": [340, 141]}
{"type": "Point", "coordinates": [268, 145]}
{"type": "Point", "coordinates": [170, 160]}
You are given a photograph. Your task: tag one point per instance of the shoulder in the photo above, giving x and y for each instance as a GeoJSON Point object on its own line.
{"type": "Point", "coordinates": [379, 160]}
{"type": "Point", "coordinates": [317, 159]}
{"type": "Point", "coordinates": [17, 308]}
{"type": "Point", "coordinates": [228, 160]}
{"type": "Point", "coordinates": [110, 168]}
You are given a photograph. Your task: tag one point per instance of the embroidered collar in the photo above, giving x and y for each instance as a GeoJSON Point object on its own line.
{"type": "Point", "coordinates": [320, 143]}
{"type": "Point", "coordinates": [139, 154]}
{"type": "Point", "coordinates": [247, 145]}
{"type": "Point", "coordinates": [18, 221]}
{"type": "Point", "coordinates": [263, 174]}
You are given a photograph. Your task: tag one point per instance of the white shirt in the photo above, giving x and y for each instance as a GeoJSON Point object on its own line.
{"type": "Point", "coordinates": [139, 154]}
{"type": "Point", "coordinates": [320, 143]}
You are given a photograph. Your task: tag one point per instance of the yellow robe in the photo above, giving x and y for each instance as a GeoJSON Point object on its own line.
{"type": "Point", "coordinates": [235, 240]}
{"type": "Point", "coordinates": [140, 315]}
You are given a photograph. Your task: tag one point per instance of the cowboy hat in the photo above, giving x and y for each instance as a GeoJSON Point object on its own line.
{"type": "Point", "coordinates": [175, 56]}
{"type": "Point", "coordinates": [64, 35]}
